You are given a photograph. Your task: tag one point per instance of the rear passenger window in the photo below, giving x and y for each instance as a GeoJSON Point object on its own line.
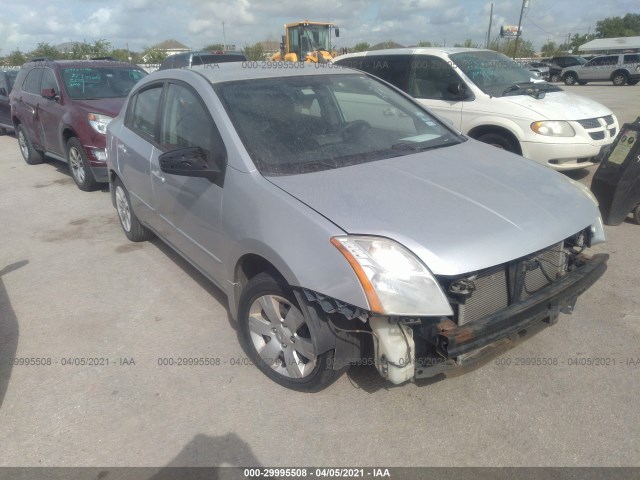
{"type": "Point", "coordinates": [49, 81]}
{"type": "Point", "coordinates": [32, 82]}
{"type": "Point", "coordinates": [143, 116]}
{"type": "Point", "coordinates": [431, 77]}
{"type": "Point", "coordinates": [391, 68]}
{"type": "Point", "coordinates": [631, 58]}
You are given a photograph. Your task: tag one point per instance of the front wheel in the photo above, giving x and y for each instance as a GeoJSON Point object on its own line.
{"type": "Point", "coordinates": [79, 166]}
{"type": "Point", "coordinates": [133, 229]}
{"type": "Point", "coordinates": [278, 339]}
{"type": "Point", "coordinates": [497, 140]}
{"type": "Point", "coordinates": [570, 79]}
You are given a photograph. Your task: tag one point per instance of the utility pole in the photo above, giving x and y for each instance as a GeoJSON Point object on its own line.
{"type": "Point", "coordinates": [224, 39]}
{"type": "Point", "coordinates": [515, 48]}
{"type": "Point", "coordinates": [489, 32]}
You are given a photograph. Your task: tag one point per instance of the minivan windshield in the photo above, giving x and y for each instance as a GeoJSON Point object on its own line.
{"type": "Point", "coordinates": [300, 124]}
{"type": "Point", "coordinates": [90, 83]}
{"type": "Point", "coordinates": [494, 73]}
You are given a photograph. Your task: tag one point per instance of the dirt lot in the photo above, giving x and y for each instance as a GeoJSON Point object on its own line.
{"type": "Point", "coordinates": [72, 287]}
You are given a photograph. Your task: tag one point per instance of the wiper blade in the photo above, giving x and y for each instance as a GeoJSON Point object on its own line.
{"type": "Point", "coordinates": [517, 87]}
{"type": "Point", "coordinates": [422, 146]}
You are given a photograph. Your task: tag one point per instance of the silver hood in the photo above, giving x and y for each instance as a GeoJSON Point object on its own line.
{"type": "Point", "coordinates": [460, 209]}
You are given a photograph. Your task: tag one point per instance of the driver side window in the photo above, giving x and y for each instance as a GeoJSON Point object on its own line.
{"type": "Point", "coordinates": [431, 77]}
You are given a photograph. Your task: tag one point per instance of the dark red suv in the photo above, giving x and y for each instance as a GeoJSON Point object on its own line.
{"type": "Point", "coordinates": [62, 108]}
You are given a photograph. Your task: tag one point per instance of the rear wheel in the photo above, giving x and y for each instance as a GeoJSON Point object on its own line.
{"type": "Point", "coordinates": [619, 79]}
{"type": "Point", "coordinates": [29, 153]}
{"type": "Point", "coordinates": [570, 79]}
{"type": "Point", "coordinates": [633, 82]}
{"type": "Point", "coordinates": [554, 78]}
{"type": "Point", "coordinates": [133, 229]}
{"type": "Point", "coordinates": [497, 140]}
{"type": "Point", "coordinates": [79, 166]}
{"type": "Point", "coordinates": [277, 338]}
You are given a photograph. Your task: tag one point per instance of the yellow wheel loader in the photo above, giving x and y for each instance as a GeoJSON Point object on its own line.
{"type": "Point", "coordinates": [306, 41]}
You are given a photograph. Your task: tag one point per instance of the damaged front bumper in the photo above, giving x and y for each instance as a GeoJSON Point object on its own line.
{"type": "Point", "coordinates": [466, 347]}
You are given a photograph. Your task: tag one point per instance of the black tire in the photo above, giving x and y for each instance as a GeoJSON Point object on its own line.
{"type": "Point", "coordinates": [264, 297]}
{"type": "Point", "coordinates": [619, 79]}
{"type": "Point", "coordinates": [79, 166]}
{"type": "Point", "coordinates": [554, 78]}
{"type": "Point", "coordinates": [29, 153]}
{"type": "Point", "coordinates": [636, 214]}
{"type": "Point", "coordinates": [570, 78]}
{"type": "Point", "coordinates": [632, 82]}
{"type": "Point", "coordinates": [131, 226]}
{"type": "Point", "coordinates": [498, 140]}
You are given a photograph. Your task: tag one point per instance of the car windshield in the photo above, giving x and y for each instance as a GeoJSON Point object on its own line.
{"type": "Point", "coordinates": [301, 124]}
{"type": "Point", "coordinates": [100, 82]}
{"type": "Point", "coordinates": [493, 72]}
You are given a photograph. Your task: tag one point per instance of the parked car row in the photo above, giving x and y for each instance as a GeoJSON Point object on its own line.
{"type": "Point", "coordinates": [620, 69]}
{"type": "Point", "coordinates": [62, 108]}
{"type": "Point", "coordinates": [336, 212]}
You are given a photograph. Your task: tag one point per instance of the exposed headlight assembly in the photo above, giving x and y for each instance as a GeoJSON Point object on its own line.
{"type": "Point", "coordinates": [394, 280]}
{"type": "Point", "coordinates": [553, 128]}
{"type": "Point", "coordinates": [99, 122]}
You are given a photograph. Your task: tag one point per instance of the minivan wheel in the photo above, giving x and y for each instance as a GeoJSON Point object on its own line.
{"type": "Point", "coordinates": [79, 166]}
{"type": "Point", "coordinates": [278, 340]}
{"type": "Point", "coordinates": [133, 229]}
{"type": "Point", "coordinates": [570, 79]}
{"type": "Point", "coordinates": [29, 153]}
{"type": "Point", "coordinates": [619, 79]}
{"type": "Point", "coordinates": [497, 140]}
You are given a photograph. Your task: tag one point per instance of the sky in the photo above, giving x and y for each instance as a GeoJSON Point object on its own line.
{"type": "Point", "coordinates": [138, 24]}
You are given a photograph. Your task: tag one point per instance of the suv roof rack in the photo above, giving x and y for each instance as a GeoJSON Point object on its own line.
{"type": "Point", "coordinates": [112, 59]}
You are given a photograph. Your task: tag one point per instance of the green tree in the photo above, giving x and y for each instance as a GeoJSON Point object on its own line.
{"type": "Point", "coordinates": [468, 43]}
{"type": "Point", "coordinates": [153, 55]}
{"type": "Point", "coordinates": [627, 26]}
{"type": "Point", "coordinates": [578, 40]}
{"type": "Point", "coordinates": [254, 52]}
{"type": "Point", "coordinates": [45, 50]}
{"type": "Point", "coordinates": [506, 46]}
{"type": "Point", "coordinates": [549, 49]}
{"type": "Point", "coordinates": [213, 46]}
{"type": "Point", "coordinates": [15, 58]}
{"type": "Point", "coordinates": [424, 44]}
{"type": "Point", "coordinates": [361, 47]}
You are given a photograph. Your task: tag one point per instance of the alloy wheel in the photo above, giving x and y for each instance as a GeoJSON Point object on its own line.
{"type": "Point", "coordinates": [122, 205]}
{"type": "Point", "coordinates": [281, 337]}
{"type": "Point", "coordinates": [77, 165]}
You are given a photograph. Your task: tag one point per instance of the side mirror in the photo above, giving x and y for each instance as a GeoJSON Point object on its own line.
{"type": "Point", "coordinates": [189, 162]}
{"type": "Point", "coordinates": [3, 91]}
{"type": "Point", "coordinates": [337, 32]}
{"type": "Point", "coordinates": [458, 89]}
{"type": "Point", "coordinates": [49, 93]}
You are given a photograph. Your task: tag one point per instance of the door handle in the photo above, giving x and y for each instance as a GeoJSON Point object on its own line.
{"type": "Point", "coordinates": [158, 175]}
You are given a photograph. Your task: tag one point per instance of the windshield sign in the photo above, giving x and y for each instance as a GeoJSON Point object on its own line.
{"type": "Point", "coordinates": [100, 82]}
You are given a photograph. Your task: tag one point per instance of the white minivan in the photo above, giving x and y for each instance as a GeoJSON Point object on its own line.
{"type": "Point", "coordinates": [491, 98]}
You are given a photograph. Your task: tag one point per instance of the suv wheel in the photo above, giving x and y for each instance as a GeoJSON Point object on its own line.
{"type": "Point", "coordinates": [632, 82]}
{"type": "Point", "coordinates": [554, 78]}
{"type": "Point", "coordinates": [277, 338]}
{"type": "Point", "coordinates": [133, 229]}
{"type": "Point", "coordinates": [79, 166]}
{"type": "Point", "coordinates": [29, 153]}
{"type": "Point", "coordinates": [570, 78]}
{"type": "Point", "coordinates": [619, 79]}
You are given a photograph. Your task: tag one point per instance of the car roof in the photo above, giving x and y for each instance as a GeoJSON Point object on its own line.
{"type": "Point", "coordinates": [234, 71]}
{"type": "Point", "coordinates": [414, 51]}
